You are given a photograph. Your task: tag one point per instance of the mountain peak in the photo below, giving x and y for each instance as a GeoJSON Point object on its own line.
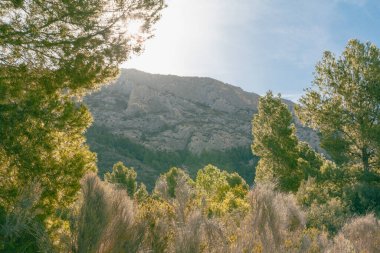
{"type": "Point", "coordinates": [169, 112]}
{"type": "Point", "coordinates": [147, 113]}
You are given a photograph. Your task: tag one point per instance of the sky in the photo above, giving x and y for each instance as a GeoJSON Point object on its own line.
{"type": "Point", "coordinates": [258, 45]}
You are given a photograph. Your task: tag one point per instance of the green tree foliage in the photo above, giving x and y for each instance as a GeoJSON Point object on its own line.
{"type": "Point", "coordinates": [170, 182]}
{"type": "Point", "coordinates": [52, 53]}
{"type": "Point", "coordinates": [157, 216]}
{"type": "Point", "coordinates": [48, 46]}
{"type": "Point", "coordinates": [309, 161]}
{"type": "Point", "coordinates": [364, 196]}
{"type": "Point", "coordinates": [331, 182]}
{"type": "Point", "coordinates": [141, 193]}
{"type": "Point", "coordinates": [123, 177]}
{"type": "Point", "coordinates": [111, 148]}
{"type": "Point", "coordinates": [220, 191]}
{"type": "Point", "coordinates": [344, 105]}
{"type": "Point", "coordinates": [276, 144]}
{"type": "Point", "coordinates": [329, 216]}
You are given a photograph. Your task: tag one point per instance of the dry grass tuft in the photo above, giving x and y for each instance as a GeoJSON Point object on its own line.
{"type": "Point", "coordinates": [362, 234]}
{"type": "Point", "coordinates": [105, 222]}
{"type": "Point", "coordinates": [274, 224]}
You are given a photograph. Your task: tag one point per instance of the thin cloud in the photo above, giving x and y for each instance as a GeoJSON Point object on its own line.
{"type": "Point", "coordinates": [255, 44]}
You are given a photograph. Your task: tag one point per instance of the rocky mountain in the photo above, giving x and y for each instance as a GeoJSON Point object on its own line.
{"type": "Point", "coordinates": [167, 114]}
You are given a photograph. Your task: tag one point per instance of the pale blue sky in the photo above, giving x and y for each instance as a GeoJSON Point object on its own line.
{"type": "Point", "coordinates": [256, 44]}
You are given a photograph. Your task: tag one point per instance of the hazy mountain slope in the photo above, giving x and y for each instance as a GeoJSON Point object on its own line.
{"type": "Point", "coordinates": [175, 113]}
{"type": "Point", "coordinates": [169, 114]}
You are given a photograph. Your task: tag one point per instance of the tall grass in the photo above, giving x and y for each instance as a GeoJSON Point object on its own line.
{"type": "Point", "coordinates": [105, 222]}
{"type": "Point", "coordinates": [274, 223]}
{"type": "Point", "coordinates": [108, 220]}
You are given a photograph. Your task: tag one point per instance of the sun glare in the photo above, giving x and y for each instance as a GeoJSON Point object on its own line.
{"type": "Point", "coordinates": [134, 27]}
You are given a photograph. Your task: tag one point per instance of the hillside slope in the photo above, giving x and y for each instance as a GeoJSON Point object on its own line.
{"type": "Point", "coordinates": [193, 120]}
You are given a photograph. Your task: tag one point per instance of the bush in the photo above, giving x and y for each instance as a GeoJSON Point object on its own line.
{"type": "Point", "coordinates": [364, 197]}
{"type": "Point", "coordinates": [330, 216]}
{"type": "Point", "coordinates": [361, 234]}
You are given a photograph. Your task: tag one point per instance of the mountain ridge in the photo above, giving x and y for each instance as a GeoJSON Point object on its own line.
{"type": "Point", "coordinates": [168, 113]}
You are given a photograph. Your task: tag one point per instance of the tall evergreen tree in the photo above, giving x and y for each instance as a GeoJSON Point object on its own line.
{"type": "Point", "coordinates": [275, 143]}
{"type": "Point", "coordinates": [344, 105]}
{"type": "Point", "coordinates": [51, 54]}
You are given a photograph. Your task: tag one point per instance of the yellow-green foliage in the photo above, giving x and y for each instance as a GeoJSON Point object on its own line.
{"type": "Point", "coordinates": [329, 216]}
{"type": "Point", "coordinates": [220, 192]}
{"type": "Point", "coordinates": [158, 219]}
{"type": "Point", "coordinates": [19, 227]}
{"type": "Point", "coordinates": [106, 219]}
{"type": "Point", "coordinates": [343, 105]}
{"type": "Point", "coordinates": [123, 177]}
{"type": "Point", "coordinates": [170, 184]}
{"type": "Point", "coordinates": [52, 54]}
{"type": "Point", "coordinates": [330, 182]}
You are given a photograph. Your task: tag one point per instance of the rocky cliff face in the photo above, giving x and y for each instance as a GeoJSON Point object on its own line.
{"type": "Point", "coordinates": [154, 122]}
{"type": "Point", "coordinates": [166, 112]}
{"type": "Point", "coordinates": [175, 113]}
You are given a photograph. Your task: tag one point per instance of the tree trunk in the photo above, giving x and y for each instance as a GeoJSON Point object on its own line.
{"type": "Point", "coordinates": [365, 159]}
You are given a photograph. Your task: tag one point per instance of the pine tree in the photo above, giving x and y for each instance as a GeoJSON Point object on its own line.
{"type": "Point", "coordinates": [51, 54]}
{"type": "Point", "coordinates": [344, 105]}
{"type": "Point", "coordinates": [276, 144]}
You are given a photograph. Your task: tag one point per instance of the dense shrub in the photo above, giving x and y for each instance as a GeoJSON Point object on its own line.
{"type": "Point", "coordinates": [361, 234]}
{"type": "Point", "coordinates": [174, 219]}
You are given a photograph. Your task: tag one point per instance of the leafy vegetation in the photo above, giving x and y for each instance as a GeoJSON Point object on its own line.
{"type": "Point", "coordinates": [177, 217]}
{"type": "Point", "coordinates": [50, 201]}
{"type": "Point", "coordinates": [51, 54]}
{"type": "Point", "coordinates": [151, 163]}
{"type": "Point", "coordinates": [344, 106]}
{"type": "Point", "coordinates": [276, 144]}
